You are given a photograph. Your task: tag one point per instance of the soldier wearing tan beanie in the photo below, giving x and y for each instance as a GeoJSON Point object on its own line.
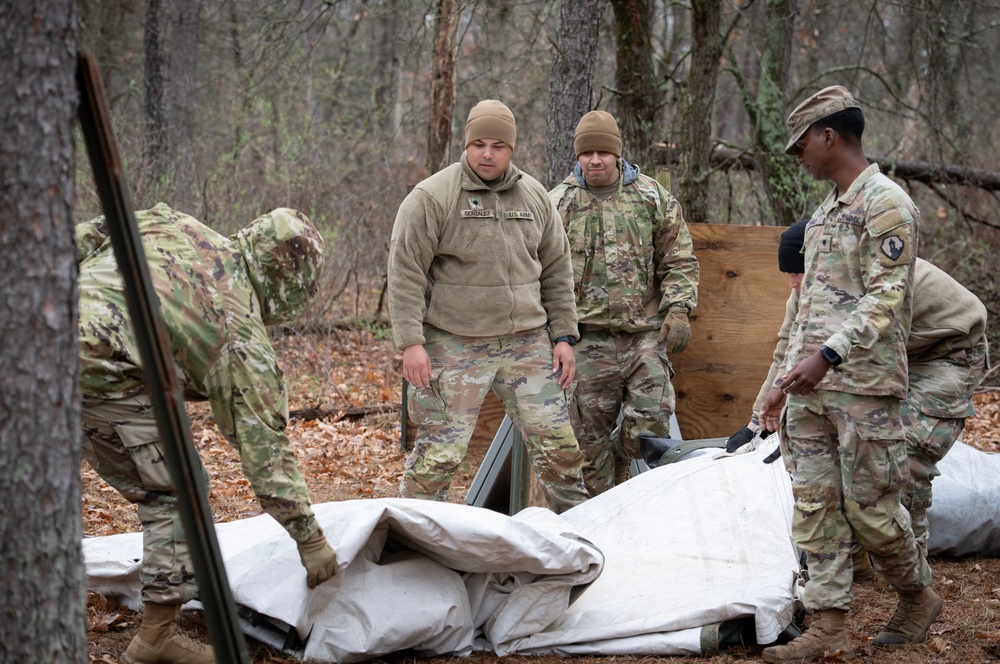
{"type": "Point", "coordinates": [491, 119]}
{"type": "Point", "coordinates": [597, 131]}
{"type": "Point", "coordinates": [481, 297]}
{"type": "Point", "coordinates": [637, 283]}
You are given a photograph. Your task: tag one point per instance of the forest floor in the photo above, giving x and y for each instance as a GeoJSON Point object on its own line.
{"type": "Point", "coordinates": [355, 453]}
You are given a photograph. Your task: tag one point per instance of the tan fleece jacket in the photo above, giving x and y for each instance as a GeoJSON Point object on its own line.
{"type": "Point", "coordinates": [946, 316]}
{"type": "Point", "coordinates": [479, 262]}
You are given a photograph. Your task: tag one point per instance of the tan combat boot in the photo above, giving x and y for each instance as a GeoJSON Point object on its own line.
{"type": "Point", "coordinates": [825, 637]}
{"type": "Point", "coordinates": [913, 617]}
{"type": "Point", "coordinates": [623, 469]}
{"type": "Point", "coordinates": [160, 642]}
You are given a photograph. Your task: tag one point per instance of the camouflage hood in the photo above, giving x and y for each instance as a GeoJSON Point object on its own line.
{"type": "Point", "coordinates": [284, 253]}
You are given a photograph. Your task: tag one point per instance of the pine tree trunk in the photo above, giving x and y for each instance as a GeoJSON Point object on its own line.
{"type": "Point", "coordinates": [696, 110]}
{"type": "Point", "coordinates": [571, 81]}
{"type": "Point", "coordinates": [442, 84]}
{"type": "Point", "coordinates": [638, 96]}
{"type": "Point", "coordinates": [42, 616]}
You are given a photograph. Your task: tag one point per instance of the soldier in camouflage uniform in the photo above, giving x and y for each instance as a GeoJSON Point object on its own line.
{"type": "Point", "coordinates": [946, 354]}
{"type": "Point", "coordinates": [842, 430]}
{"type": "Point", "coordinates": [481, 297]}
{"type": "Point", "coordinates": [216, 294]}
{"type": "Point", "coordinates": [636, 281]}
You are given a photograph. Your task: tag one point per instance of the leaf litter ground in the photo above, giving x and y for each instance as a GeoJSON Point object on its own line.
{"type": "Point", "coordinates": [347, 456]}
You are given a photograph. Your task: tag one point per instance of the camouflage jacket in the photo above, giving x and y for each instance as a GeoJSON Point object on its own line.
{"type": "Point", "coordinates": [477, 261]}
{"type": "Point", "coordinates": [857, 288]}
{"type": "Point", "coordinates": [946, 317]}
{"type": "Point", "coordinates": [632, 253]}
{"type": "Point", "coordinates": [212, 316]}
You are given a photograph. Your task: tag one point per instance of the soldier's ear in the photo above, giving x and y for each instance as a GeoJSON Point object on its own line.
{"type": "Point", "coordinates": [829, 135]}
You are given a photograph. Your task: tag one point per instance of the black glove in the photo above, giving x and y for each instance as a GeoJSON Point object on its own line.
{"type": "Point", "coordinates": [773, 456]}
{"type": "Point", "coordinates": [739, 439]}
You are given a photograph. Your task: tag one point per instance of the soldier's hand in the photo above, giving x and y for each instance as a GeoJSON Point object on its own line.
{"type": "Point", "coordinates": [563, 363]}
{"type": "Point", "coordinates": [318, 558]}
{"type": "Point", "coordinates": [770, 409]}
{"type": "Point", "coordinates": [675, 331]}
{"type": "Point", "coordinates": [805, 375]}
{"type": "Point", "coordinates": [417, 366]}
{"type": "Point", "coordinates": [739, 439]}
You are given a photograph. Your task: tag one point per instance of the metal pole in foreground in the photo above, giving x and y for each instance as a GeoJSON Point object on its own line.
{"type": "Point", "coordinates": [154, 351]}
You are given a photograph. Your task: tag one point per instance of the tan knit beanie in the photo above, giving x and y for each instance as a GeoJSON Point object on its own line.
{"type": "Point", "coordinates": [597, 131]}
{"type": "Point", "coordinates": [491, 119]}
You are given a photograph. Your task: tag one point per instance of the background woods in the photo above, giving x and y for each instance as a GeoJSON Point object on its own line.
{"type": "Point", "coordinates": [229, 108]}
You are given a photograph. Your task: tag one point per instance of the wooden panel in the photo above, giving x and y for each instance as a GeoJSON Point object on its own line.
{"type": "Point", "coordinates": [491, 414]}
{"type": "Point", "coordinates": [741, 304]}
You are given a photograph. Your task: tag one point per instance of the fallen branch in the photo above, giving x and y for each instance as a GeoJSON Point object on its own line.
{"type": "Point", "coordinates": [726, 158]}
{"type": "Point", "coordinates": [351, 413]}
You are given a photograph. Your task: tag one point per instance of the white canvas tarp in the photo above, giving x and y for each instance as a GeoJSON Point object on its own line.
{"type": "Point", "coordinates": [965, 515]}
{"type": "Point", "coordinates": [651, 567]}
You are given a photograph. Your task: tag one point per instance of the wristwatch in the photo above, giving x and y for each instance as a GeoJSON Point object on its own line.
{"type": "Point", "coordinates": [570, 340]}
{"type": "Point", "coordinates": [830, 355]}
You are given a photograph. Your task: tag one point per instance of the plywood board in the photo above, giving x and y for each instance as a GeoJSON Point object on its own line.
{"type": "Point", "coordinates": [741, 304]}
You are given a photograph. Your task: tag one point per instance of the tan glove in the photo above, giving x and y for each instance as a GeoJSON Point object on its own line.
{"type": "Point", "coordinates": [675, 330]}
{"type": "Point", "coordinates": [318, 558]}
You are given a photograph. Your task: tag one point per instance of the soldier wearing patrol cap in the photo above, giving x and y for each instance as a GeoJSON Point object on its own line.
{"type": "Point", "coordinates": [481, 297]}
{"type": "Point", "coordinates": [636, 282]}
{"type": "Point", "coordinates": [844, 377]}
{"type": "Point", "coordinates": [947, 357]}
{"type": "Point", "coordinates": [216, 295]}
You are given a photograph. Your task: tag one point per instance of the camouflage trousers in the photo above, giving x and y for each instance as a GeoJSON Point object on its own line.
{"type": "Point", "coordinates": [121, 443]}
{"type": "Point", "coordinates": [518, 367]}
{"type": "Point", "coordinates": [618, 373]}
{"type": "Point", "coordinates": [928, 439]}
{"type": "Point", "coordinates": [934, 412]}
{"type": "Point", "coordinates": [847, 457]}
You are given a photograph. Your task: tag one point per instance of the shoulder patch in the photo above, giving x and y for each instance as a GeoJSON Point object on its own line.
{"type": "Point", "coordinates": [892, 232]}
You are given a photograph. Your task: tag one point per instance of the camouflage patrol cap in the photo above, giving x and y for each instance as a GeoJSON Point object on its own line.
{"type": "Point", "coordinates": [826, 102]}
{"type": "Point", "coordinates": [284, 253]}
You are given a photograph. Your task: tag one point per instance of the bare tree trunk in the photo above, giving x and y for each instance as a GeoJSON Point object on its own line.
{"type": "Point", "coordinates": [779, 174]}
{"type": "Point", "coordinates": [442, 84]}
{"type": "Point", "coordinates": [387, 67]}
{"type": "Point", "coordinates": [43, 618]}
{"type": "Point", "coordinates": [571, 81]}
{"type": "Point", "coordinates": [696, 109]}
{"type": "Point", "coordinates": [157, 148]}
{"type": "Point", "coordinates": [639, 95]}
{"type": "Point", "coordinates": [110, 33]}
{"type": "Point", "coordinates": [181, 78]}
